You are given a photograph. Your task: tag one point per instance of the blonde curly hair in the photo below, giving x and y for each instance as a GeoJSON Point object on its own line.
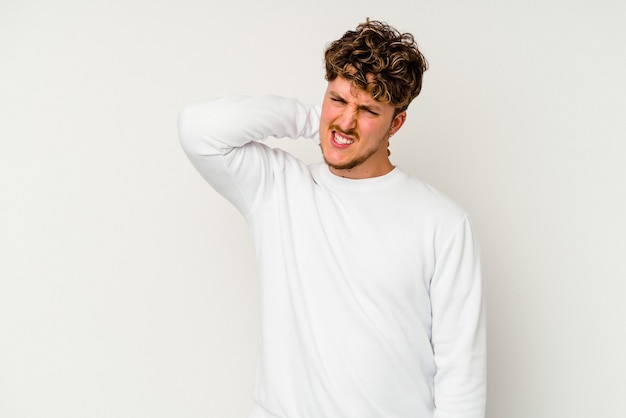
{"type": "Point", "coordinates": [380, 60]}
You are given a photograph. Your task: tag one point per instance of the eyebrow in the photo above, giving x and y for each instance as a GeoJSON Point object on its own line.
{"type": "Point", "coordinates": [369, 107]}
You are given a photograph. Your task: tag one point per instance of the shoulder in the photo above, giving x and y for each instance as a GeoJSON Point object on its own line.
{"type": "Point", "coordinates": [429, 201]}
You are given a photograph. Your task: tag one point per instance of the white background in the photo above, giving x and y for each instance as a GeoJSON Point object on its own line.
{"type": "Point", "coordinates": [127, 285]}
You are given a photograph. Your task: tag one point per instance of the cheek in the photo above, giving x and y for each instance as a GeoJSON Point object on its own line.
{"type": "Point", "coordinates": [326, 115]}
{"type": "Point", "coordinates": [330, 113]}
{"type": "Point", "coordinates": [372, 129]}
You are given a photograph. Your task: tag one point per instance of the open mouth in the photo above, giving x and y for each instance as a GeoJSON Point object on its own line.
{"type": "Point", "coordinates": [341, 140]}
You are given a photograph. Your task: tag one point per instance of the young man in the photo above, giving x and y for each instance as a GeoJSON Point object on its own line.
{"type": "Point", "coordinates": [370, 280]}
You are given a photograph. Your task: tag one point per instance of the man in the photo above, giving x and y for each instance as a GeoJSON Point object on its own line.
{"type": "Point", "coordinates": [370, 280]}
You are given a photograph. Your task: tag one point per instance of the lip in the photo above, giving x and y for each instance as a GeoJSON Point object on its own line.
{"type": "Point", "coordinates": [337, 144]}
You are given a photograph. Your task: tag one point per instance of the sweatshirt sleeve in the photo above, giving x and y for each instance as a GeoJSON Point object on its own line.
{"type": "Point", "coordinates": [458, 328]}
{"type": "Point", "coordinates": [220, 138]}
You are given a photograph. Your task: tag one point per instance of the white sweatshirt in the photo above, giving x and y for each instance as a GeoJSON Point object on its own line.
{"type": "Point", "coordinates": [371, 289]}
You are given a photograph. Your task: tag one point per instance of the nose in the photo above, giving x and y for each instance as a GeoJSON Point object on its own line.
{"type": "Point", "coordinates": [348, 118]}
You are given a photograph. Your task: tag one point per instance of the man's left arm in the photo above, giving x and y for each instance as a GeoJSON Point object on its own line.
{"type": "Point", "coordinates": [458, 328]}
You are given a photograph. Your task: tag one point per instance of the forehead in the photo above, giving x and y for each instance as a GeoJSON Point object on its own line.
{"type": "Point", "coordinates": [348, 91]}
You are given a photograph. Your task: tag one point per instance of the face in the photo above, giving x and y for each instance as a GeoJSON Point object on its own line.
{"type": "Point", "coordinates": [355, 131]}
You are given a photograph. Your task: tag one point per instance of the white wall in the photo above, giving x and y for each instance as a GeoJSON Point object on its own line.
{"type": "Point", "coordinates": [127, 285]}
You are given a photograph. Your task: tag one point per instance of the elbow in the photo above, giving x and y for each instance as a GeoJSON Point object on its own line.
{"type": "Point", "coordinates": [187, 130]}
{"type": "Point", "coordinates": [199, 128]}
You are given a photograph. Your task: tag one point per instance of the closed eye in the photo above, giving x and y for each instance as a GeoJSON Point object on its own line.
{"type": "Point", "coordinates": [366, 109]}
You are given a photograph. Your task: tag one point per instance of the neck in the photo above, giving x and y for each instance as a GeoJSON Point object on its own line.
{"type": "Point", "coordinates": [359, 172]}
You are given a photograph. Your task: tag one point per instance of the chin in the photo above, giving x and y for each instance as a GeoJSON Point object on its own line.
{"type": "Point", "coordinates": [341, 165]}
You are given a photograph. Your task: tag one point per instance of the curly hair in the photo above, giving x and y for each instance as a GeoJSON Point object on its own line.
{"type": "Point", "coordinates": [380, 60]}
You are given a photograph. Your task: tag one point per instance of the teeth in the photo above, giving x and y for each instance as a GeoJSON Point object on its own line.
{"type": "Point", "coordinates": [341, 140]}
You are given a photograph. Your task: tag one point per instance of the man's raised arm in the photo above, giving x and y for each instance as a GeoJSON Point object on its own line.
{"type": "Point", "coordinates": [220, 138]}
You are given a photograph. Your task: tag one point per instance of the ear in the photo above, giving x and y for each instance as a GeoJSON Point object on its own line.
{"type": "Point", "coordinates": [397, 122]}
